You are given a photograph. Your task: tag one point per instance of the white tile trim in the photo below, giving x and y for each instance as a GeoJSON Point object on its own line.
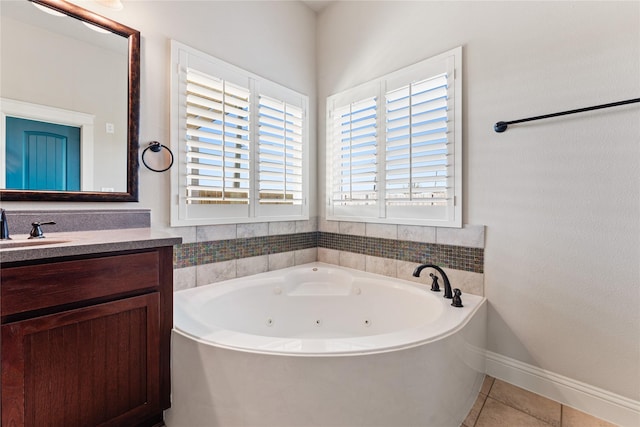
{"type": "Point", "coordinates": [592, 400]}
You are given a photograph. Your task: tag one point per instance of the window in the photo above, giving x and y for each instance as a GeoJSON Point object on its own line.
{"type": "Point", "coordinates": [394, 147]}
{"type": "Point", "coordinates": [217, 141]}
{"type": "Point", "coordinates": [355, 151]}
{"type": "Point", "coordinates": [240, 142]}
{"type": "Point", "coordinates": [280, 152]}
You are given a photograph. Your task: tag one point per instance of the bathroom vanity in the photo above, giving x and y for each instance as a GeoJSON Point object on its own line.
{"type": "Point", "coordinates": [86, 325]}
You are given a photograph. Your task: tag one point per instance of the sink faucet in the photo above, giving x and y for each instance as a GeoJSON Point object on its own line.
{"type": "Point", "coordinates": [445, 279]}
{"type": "Point", "coordinates": [4, 226]}
{"type": "Point", "coordinates": [36, 230]}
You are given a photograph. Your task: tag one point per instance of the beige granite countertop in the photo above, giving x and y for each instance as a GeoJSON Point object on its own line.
{"type": "Point", "coordinates": [56, 245]}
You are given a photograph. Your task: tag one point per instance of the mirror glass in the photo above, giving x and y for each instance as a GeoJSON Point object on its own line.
{"type": "Point", "coordinates": [69, 94]}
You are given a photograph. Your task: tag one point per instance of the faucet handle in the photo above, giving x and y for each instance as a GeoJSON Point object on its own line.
{"type": "Point", "coordinates": [36, 230]}
{"type": "Point", "coordinates": [457, 301]}
{"type": "Point", "coordinates": [435, 287]}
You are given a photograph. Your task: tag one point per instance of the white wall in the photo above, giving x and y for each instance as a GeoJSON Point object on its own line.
{"type": "Point", "coordinates": [560, 198]}
{"type": "Point", "coordinates": [277, 43]}
{"type": "Point", "coordinates": [273, 39]}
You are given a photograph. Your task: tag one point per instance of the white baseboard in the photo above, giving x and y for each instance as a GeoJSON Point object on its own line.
{"type": "Point", "coordinates": [595, 401]}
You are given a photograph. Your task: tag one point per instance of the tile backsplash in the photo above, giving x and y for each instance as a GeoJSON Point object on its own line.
{"type": "Point", "coordinates": [198, 253]}
{"type": "Point", "coordinates": [229, 251]}
{"type": "Point", "coordinates": [79, 220]}
{"type": "Point", "coordinates": [449, 256]}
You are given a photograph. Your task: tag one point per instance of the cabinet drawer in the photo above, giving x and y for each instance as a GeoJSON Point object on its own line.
{"type": "Point", "coordinates": [36, 287]}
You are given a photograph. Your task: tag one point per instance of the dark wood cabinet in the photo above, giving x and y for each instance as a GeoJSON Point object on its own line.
{"type": "Point", "coordinates": [85, 341]}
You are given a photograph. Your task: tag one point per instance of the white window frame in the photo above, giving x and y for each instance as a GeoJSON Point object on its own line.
{"type": "Point", "coordinates": [441, 214]}
{"type": "Point", "coordinates": [185, 214]}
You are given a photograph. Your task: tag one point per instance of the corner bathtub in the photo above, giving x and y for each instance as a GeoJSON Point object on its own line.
{"type": "Point", "coordinates": [320, 345]}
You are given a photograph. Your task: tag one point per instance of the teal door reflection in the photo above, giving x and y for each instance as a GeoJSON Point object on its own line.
{"type": "Point", "coordinates": [42, 156]}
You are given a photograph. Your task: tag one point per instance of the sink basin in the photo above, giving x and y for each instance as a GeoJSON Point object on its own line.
{"type": "Point", "coordinates": [12, 244]}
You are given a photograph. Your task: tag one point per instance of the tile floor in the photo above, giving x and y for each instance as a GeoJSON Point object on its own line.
{"type": "Point", "coordinates": [500, 404]}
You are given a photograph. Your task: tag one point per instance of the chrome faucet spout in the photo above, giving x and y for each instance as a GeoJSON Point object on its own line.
{"type": "Point", "coordinates": [4, 226]}
{"type": "Point", "coordinates": [445, 279]}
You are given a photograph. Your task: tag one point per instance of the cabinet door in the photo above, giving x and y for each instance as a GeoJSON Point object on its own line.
{"type": "Point", "coordinates": [91, 366]}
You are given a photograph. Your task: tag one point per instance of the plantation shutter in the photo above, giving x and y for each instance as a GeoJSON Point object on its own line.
{"type": "Point", "coordinates": [240, 141]}
{"type": "Point", "coordinates": [397, 146]}
{"type": "Point", "coordinates": [280, 139]}
{"type": "Point", "coordinates": [355, 153]}
{"type": "Point", "coordinates": [417, 143]}
{"type": "Point", "coordinates": [217, 141]}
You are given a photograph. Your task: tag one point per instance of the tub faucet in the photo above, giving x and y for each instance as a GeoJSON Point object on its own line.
{"type": "Point", "coordinates": [445, 279]}
{"type": "Point", "coordinates": [4, 226]}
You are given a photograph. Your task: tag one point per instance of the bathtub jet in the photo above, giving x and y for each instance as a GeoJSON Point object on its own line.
{"type": "Point", "coordinates": [320, 345]}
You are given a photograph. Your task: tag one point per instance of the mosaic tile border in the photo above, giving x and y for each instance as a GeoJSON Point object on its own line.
{"type": "Point", "coordinates": [448, 256]}
{"type": "Point", "coordinates": [190, 254]}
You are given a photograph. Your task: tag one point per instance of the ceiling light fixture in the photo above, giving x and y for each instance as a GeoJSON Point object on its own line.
{"type": "Point", "coordinates": [111, 4]}
{"type": "Point", "coordinates": [47, 10]}
{"type": "Point", "coordinates": [96, 28]}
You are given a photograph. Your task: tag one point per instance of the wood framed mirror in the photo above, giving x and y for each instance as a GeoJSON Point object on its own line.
{"type": "Point", "coordinates": [116, 129]}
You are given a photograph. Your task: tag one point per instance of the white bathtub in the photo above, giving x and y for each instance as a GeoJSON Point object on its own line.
{"type": "Point", "coordinates": [320, 345]}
